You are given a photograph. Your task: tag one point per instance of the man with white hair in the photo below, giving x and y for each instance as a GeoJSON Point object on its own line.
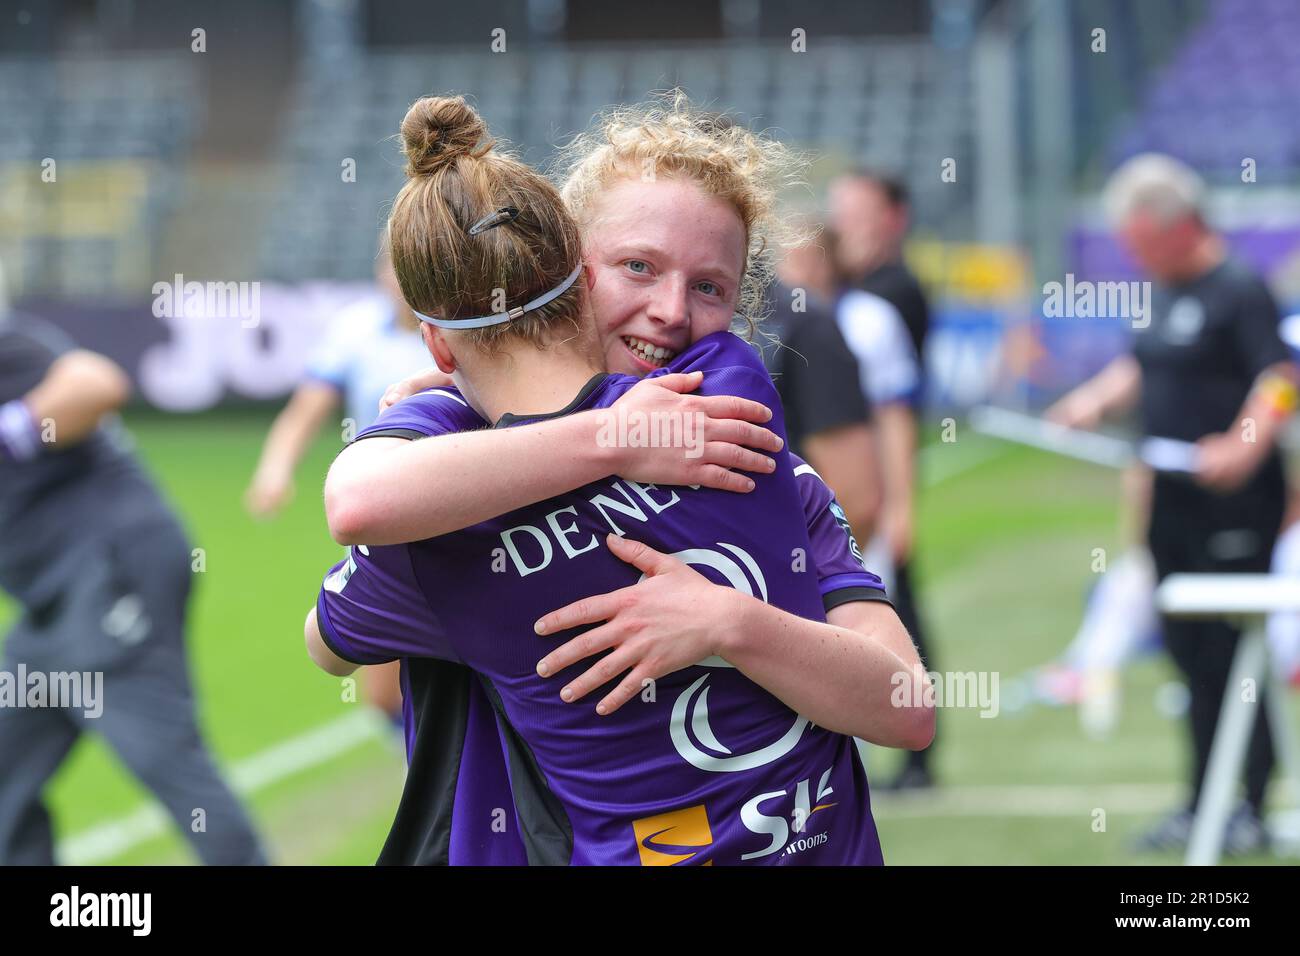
{"type": "Point", "coordinates": [1210, 368]}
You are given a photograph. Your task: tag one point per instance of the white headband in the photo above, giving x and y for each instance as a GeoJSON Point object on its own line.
{"type": "Point", "coordinates": [496, 318]}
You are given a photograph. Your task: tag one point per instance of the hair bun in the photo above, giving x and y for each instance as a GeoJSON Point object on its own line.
{"type": "Point", "coordinates": [437, 129]}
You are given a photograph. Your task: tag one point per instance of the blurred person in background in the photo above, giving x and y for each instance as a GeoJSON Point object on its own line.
{"type": "Point", "coordinates": [1284, 628]}
{"type": "Point", "coordinates": [828, 417]}
{"type": "Point", "coordinates": [889, 380]}
{"type": "Point", "coordinates": [1210, 368]}
{"type": "Point", "coordinates": [101, 569]}
{"type": "Point", "coordinates": [884, 317]}
{"type": "Point", "coordinates": [870, 214]}
{"type": "Point", "coordinates": [368, 344]}
{"type": "Point", "coordinates": [810, 270]}
{"type": "Point", "coordinates": [1120, 622]}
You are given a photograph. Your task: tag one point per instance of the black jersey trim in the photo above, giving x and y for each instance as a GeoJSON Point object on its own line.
{"type": "Point", "coordinates": [833, 599]}
{"type": "Point", "coordinates": [544, 825]}
{"type": "Point", "coordinates": [408, 433]}
{"type": "Point", "coordinates": [324, 627]}
{"type": "Point", "coordinates": [422, 827]}
{"type": "Point", "coordinates": [593, 383]}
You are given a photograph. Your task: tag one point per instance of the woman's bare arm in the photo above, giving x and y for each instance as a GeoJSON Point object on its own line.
{"type": "Point", "coordinates": [857, 673]}
{"type": "Point", "coordinates": [391, 491]}
{"type": "Point", "coordinates": [290, 435]}
{"type": "Point", "coordinates": [78, 390]}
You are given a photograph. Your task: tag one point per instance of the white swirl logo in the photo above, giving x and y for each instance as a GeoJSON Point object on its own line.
{"type": "Point", "coordinates": [694, 709]}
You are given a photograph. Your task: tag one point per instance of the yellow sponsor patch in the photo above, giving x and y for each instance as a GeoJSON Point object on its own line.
{"type": "Point", "coordinates": [661, 839]}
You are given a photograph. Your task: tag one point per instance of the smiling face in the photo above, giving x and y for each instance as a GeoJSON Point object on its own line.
{"type": "Point", "coordinates": [664, 265]}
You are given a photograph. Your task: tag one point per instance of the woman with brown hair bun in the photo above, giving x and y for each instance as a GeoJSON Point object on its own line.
{"type": "Point", "coordinates": [508, 320]}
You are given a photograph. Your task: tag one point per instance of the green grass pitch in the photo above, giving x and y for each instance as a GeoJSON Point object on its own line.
{"type": "Point", "coordinates": [1004, 554]}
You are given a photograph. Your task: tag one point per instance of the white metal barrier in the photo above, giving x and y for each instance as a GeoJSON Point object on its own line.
{"type": "Point", "coordinates": [1249, 598]}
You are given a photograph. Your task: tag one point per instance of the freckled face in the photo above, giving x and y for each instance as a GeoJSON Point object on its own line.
{"type": "Point", "coordinates": [664, 264]}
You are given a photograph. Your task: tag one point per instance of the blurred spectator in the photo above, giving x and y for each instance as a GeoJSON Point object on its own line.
{"type": "Point", "coordinates": [869, 212]}
{"type": "Point", "coordinates": [101, 569]}
{"type": "Point", "coordinates": [368, 345]}
{"type": "Point", "coordinates": [828, 418]}
{"type": "Point", "coordinates": [869, 218]}
{"type": "Point", "coordinates": [1208, 366]}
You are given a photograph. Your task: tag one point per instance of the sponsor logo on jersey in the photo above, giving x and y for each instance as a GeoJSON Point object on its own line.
{"type": "Point", "coordinates": [678, 836]}
{"type": "Point", "coordinates": [692, 734]}
{"type": "Point", "coordinates": [1185, 320]}
{"type": "Point", "coordinates": [711, 754]}
{"type": "Point", "coordinates": [779, 819]}
{"type": "Point", "coordinates": [782, 816]}
{"type": "Point", "coordinates": [842, 520]}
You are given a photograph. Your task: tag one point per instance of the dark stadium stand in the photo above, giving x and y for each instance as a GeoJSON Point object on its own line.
{"type": "Point", "coordinates": [885, 102]}
{"type": "Point", "coordinates": [118, 129]}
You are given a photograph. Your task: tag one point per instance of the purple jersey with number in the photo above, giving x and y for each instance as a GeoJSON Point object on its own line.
{"type": "Point", "coordinates": [705, 766]}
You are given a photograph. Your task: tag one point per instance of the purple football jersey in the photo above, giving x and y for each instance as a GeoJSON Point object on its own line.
{"type": "Point", "coordinates": [706, 766]}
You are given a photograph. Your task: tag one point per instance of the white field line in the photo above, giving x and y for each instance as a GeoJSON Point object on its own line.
{"type": "Point", "coordinates": [1031, 800]}
{"type": "Point", "coordinates": [311, 749]}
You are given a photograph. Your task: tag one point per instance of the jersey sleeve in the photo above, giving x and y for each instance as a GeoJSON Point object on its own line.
{"type": "Point", "coordinates": [731, 366]}
{"type": "Point", "coordinates": [717, 351]}
{"type": "Point", "coordinates": [332, 358]}
{"type": "Point", "coordinates": [27, 350]}
{"type": "Point", "coordinates": [878, 338]}
{"type": "Point", "coordinates": [435, 411]}
{"type": "Point", "coordinates": [1257, 328]}
{"type": "Point", "coordinates": [835, 555]}
{"type": "Point", "coordinates": [822, 388]}
{"type": "Point", "coordinates": [371, 609]}
{"type": "Point", "coordinates": [901, 379]}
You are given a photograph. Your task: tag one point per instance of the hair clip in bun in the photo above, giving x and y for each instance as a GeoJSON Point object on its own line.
{"type": "Point", "coordinates": [493, 219]}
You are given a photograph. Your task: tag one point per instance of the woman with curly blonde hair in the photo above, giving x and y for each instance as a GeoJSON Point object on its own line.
{"type": "Point", "coordinates": [677, 216]}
